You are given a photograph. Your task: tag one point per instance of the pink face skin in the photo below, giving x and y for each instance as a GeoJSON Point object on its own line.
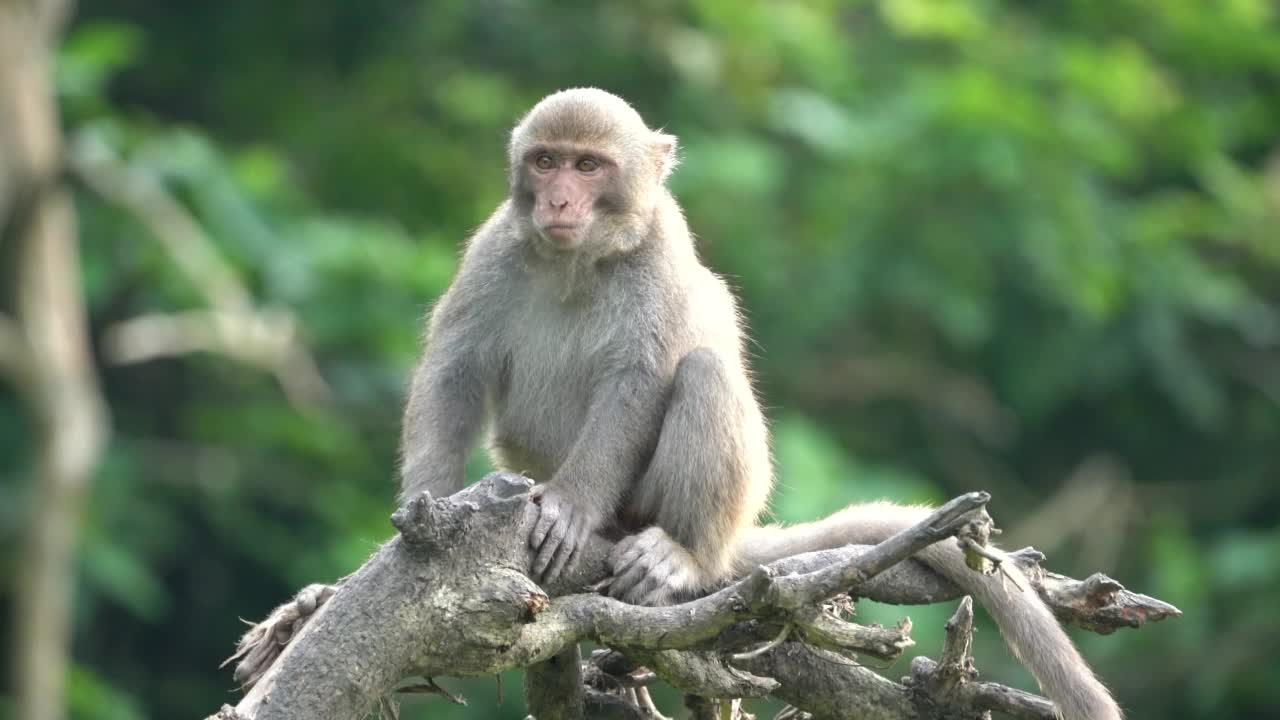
{"type": "Point", "coordinates": [566, 183]}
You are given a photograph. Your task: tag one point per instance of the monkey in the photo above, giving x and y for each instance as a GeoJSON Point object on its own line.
{"type": "Point", "coordinates": [607, 363]}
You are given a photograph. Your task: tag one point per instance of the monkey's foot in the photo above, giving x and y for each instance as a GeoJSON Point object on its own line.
{"type": "Point", "coordinates": [651, 569]}
{"type": "Point", "coordinates": [262, 643]}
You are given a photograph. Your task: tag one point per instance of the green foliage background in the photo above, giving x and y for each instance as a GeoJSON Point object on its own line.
{"type": "Point", "coordinates": [1030, 247]}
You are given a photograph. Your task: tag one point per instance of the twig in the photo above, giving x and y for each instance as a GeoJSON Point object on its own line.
{"type": "Point", "coordinates": [797, 591]}
{"type": "Point", "coordinates": [757, 652]}
{"type": "Point", "coordinates": [431, 687]}
{"type": "Point", "coordinates": [827, 631]}
{"type": "Point", "coordinates": [646, 704]}
{"type": "Point", "coordinates": [952, 680]}
{"type": "Point", "coordinates": [996, 559]}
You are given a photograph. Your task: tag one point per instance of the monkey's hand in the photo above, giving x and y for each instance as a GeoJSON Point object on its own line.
{"type": "Point", "coordinates": [651, 569]}
{"type": "Point", "coordinates": [562, 529]}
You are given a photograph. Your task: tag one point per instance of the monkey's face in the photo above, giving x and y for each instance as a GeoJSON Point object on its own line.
{"type": "Point", "coordinates": [586, 173]}
{"type": "Point", "coordinates": [564, 189]}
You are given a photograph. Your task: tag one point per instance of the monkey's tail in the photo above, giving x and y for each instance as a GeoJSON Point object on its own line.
{"type": "Point", "coordinates": [1026, 623]}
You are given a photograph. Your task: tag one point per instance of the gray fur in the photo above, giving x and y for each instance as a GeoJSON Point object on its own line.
{"type": "Point", "coordinates": [614, 374]}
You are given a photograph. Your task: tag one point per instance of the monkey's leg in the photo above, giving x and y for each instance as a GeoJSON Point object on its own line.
{"type": "Point", "coordinates": [703, 485]}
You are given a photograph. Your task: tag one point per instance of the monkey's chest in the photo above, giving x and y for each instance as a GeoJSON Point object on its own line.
{"type": "Point", "coordinates": [542, 397]}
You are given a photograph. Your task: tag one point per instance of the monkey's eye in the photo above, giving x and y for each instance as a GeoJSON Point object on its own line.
{"type": "Point", "coordinates": [544, 161]}
{"type": "Point", "coordinates": [588, 165]}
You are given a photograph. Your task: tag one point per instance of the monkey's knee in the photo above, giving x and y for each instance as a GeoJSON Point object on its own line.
{"type": "Point", "coordinates": [698, 487]}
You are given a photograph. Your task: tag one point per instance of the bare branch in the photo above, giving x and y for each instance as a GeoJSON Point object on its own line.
{"type": "Point", "coordinates": [260, 341]}
{"type": "Point", "coordinates": [464, 555]}
{"type": "Point", "coordinates": [265, 338]}
{"type": "Point", "coordinates": [757, 652]}
{"type": "Point", "coordinates": [1097, 603]}
{"type": "Point", "coordinates": [833, 686]}
{"type": "Point", "coordinates": [797, 591]}
{"type": "Point", "coordinates": [431, 687]}
{"type": "Point", "coordinates": [553, 688]}
{"type": "Point", "coordinates": [181, 236]}
{"type": "Point", "coordinates": [952, 681]}
{"type": "Point", "coordinates": [826, 631]}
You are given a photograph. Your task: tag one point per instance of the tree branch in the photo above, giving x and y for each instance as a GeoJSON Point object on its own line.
{"type": "Point", "coordinates": [44, 349]}
{"type": "Point", "coordinates": [231, 325]}
{"type": "Point", "coordinates": [553, 688]}
{"type": "Point", "coordinates": [449, 595]}
{"type": "Point", "coordinates": [179, 234]}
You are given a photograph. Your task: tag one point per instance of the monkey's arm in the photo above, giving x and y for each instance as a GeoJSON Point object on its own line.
{"type": "Point", "coordinates": [620, 428]}
{"type": "Point", "coordinates": [445, 410]}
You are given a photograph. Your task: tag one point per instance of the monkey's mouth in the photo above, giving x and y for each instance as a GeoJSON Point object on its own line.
{"type": "Point", "coordinates": [560, 231]}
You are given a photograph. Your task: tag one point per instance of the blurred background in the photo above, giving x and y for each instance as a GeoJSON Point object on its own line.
{"type": "Point", "coordinates": [1027, 247]}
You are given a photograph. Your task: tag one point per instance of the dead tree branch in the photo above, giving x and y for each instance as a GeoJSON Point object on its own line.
{"type": "Point", "coordinates": [449, 595]}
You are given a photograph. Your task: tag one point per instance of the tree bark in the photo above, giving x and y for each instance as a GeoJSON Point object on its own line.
{"type": "Point", "coordinates": [553, 688]}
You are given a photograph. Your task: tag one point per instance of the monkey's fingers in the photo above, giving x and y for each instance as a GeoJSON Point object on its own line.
{"type": "Point", "coordinates": [546, 553]}
{"type": "Point", "coordinates": [621, 555]}
{"type": "Point", "coordinates": [568, 548]}
{"type": "Point", "coordinates": [654, 588]}
{"type": "Point", "coordinates": [548, 513]}
{"type": "Point", "coordinates": [633, 549]}
{"type": "Point", "coordinates": [564, 555]}
{"type": "Point", "coordinates": [625, 582]}
{"type": "Point", "coordinates": [584, 537]}
{"type": "Point", "coordinates": [624, 554]}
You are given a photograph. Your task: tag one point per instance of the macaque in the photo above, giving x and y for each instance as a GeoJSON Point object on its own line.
{"type": "Point", "coordinates": [607, 362]}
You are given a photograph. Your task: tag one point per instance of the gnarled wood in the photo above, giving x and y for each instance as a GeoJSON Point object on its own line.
{"type": "Point", "coordinates": [449, 595]}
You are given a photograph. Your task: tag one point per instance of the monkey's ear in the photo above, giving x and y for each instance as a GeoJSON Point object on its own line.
{"type": "Point", "coordinates": [666, 154]}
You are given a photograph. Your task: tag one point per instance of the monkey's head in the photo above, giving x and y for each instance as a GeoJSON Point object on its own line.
{"type": "Point", "coordinates": [586, 172]}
